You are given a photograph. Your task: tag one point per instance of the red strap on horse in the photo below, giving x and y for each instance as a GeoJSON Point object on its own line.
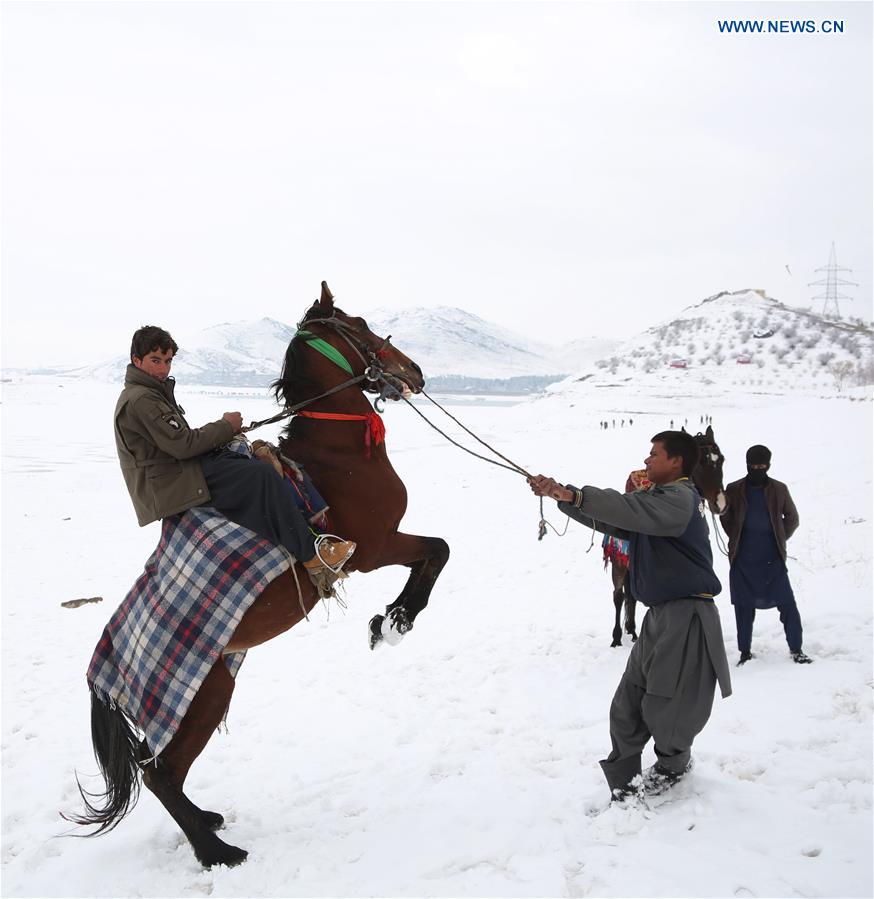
{"type": "Point", "coordinates": [374, 432]}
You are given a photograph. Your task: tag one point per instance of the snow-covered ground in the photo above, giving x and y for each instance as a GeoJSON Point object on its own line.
{"type": "Point", "coordinates": [464, 761]}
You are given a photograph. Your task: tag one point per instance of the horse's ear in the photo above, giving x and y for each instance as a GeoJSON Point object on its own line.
{"type": "Point", "coordinates": [683, 428]}
{"type": "Point", "coordinates": [326, 301]}
{"type": "Point", "coordinates": [709, 432]}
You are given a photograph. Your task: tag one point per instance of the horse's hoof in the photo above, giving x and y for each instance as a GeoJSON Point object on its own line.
{"type": "Point", "coordinates": [213, 820]}
{"type": "Point", "coordinates": [389, 628]}
{"type": "Point", "coordinates": [223, 854]}
{"type": "Point", "coordinates": [615, 643]}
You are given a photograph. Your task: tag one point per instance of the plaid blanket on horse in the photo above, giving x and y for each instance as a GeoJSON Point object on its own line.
{"type": "Point", "coordinates": [177, 618]}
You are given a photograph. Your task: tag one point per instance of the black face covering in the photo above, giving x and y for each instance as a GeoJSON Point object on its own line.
{"type": "Point", "coordinates": [757, 477]}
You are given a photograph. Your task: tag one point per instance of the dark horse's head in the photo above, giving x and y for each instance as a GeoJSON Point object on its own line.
{"type": "Point", "coordinates": [306, 373]}
{"type": "Point", "coordinates": [707, 474]}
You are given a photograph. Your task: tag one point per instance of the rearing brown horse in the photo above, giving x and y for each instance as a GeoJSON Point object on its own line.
{"type": "Point", "coordinates": [352, 470]}
{"type": "Point", "coordinates": [350, 466]}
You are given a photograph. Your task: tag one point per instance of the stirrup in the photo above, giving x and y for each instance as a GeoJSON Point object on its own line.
{"type": "Point", "coordinates": [323, 538]}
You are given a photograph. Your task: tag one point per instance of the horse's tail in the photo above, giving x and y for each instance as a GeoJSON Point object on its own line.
{"type": "Point", "coordinates": [116, 748]}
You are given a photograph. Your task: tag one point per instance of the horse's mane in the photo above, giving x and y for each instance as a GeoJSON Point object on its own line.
{"type": "Point", "coordinates": [292, 383]}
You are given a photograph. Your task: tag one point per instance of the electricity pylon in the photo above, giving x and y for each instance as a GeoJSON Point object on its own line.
{"type": "Point", "coordinates": [831, 281]}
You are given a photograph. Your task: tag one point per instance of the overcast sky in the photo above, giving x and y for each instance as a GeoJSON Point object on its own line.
{"type": "Point", "coordinates": [565, 169]}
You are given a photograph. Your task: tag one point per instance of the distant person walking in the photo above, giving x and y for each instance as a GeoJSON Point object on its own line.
{"type": "Point", "coordinates": [760, 517]}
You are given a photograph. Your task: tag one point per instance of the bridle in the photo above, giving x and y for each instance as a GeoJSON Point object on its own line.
{"type": "Point", "coordinates": [706, 450]}
{"type": "Point", "coordinates": [374, 378]}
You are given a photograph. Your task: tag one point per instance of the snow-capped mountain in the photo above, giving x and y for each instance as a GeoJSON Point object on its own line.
{"type": "Point", "coordinates": [444, 342]}
{"type": "Point", "coordinates": [448, 341]}
{"type": "Point", "coordinates": [742, 339]}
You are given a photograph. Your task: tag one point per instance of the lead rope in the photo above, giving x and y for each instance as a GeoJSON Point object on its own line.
{"type": "Point", "coordinates": [512, 466]}
{"type": "Point", "coordinates": [720, 540]}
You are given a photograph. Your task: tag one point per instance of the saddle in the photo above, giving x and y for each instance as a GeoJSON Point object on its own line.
{"type": "Point", "coordinates": [306, 497]}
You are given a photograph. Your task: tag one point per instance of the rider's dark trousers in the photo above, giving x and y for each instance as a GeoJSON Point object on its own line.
{"type": "Point", "coordinates": [252, 494]}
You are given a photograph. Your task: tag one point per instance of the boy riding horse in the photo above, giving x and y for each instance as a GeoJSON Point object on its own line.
{"type": "Point", "coordinates": [169, 467]}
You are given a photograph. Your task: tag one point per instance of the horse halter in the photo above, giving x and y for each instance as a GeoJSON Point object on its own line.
{"type": "Point", "coordinates": [373, 371]}
{"type": "Point", "coordinates": [709, 454]}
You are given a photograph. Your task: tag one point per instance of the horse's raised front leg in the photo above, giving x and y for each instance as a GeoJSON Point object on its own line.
{"type": "Point", "coordinates": [425, 556]}
{"type": "Point", "coordinates": [166, 775]}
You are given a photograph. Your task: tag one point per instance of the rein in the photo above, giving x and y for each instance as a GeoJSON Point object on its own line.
{"type": "Point", "coordinates": [374, 374]}
{"type": "Point", "coordinates": [512, 466]}
{"type": "Point", "coordinates": [288, 411]}
{"type": "Point", "coordinates": [720, 540]}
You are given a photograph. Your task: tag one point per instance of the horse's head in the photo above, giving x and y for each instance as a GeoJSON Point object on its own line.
{"type": "Point", "coordinates": [357, 348]}
{"type": "Point", "coordinates": [707, 474]}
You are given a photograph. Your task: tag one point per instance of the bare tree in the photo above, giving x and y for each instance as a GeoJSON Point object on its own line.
{"type": "Point", "coordinates": [841, 371]}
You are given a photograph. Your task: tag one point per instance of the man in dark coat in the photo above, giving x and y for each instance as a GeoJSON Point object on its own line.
{"type": "Point", "coordinates": [760, 517]}
{"type": "Point", "coordinates": [669, 682]}
{"type": "Point", "coordinates": [169, 467]}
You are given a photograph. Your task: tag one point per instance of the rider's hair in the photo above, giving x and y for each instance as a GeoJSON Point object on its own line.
{"type": "Point", "coordinates": [679, 443]}
{"type": "Point", "coordinates": [151, 337]}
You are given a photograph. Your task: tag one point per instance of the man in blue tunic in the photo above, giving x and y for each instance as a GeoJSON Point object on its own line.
{"type": "Point", "coordinates": [666, 692]}
{"type": "Point", "coordinates": [760, 517]}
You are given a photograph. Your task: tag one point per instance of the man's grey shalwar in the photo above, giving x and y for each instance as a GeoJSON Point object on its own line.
{"type": "Point", "coordinates": [667, 689]}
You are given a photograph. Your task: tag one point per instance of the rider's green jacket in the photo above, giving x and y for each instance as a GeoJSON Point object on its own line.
{"type": "Point", "coordinates": [159, 453]}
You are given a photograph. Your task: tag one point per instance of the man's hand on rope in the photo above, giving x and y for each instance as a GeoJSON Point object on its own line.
{"type": "Point", "coordinates": [544, 486]}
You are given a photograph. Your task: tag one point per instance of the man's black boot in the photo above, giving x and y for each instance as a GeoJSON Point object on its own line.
{"type": "Point", "coordinates": [659, 779]}
{"type": "Point", "coordinates": [623, 778]}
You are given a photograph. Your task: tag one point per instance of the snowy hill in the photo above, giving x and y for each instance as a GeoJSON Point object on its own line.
{"type": "Point", "coordinates": [452, 346]}
{"type": "Point", "coordinates": [745, 340]}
